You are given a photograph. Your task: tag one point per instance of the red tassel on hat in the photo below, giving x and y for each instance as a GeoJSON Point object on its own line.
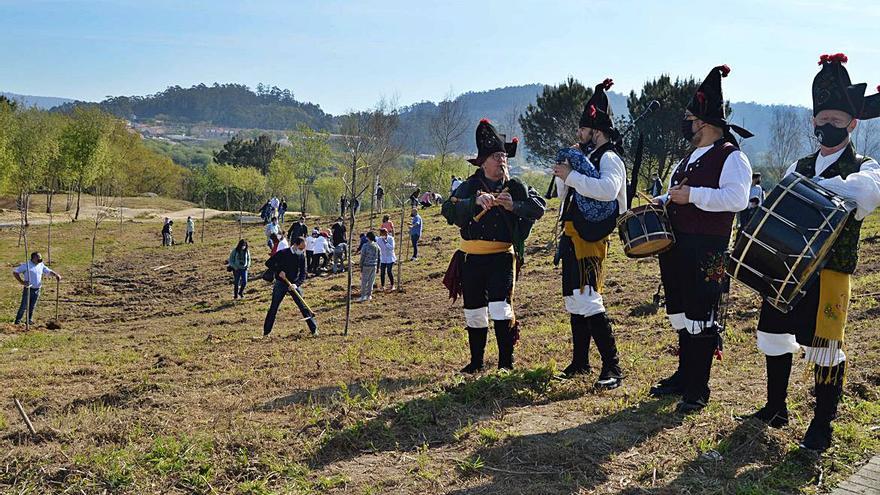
{"type": "Point", "coordinates": [837, 57]}
{"type": "Point", "coordinates": [725, 70]}
{"type": "Point", "coordinates": [607, 83]}
{"type": "Point", "coordinates": [878, 88]}
{"type": "Point", "coordinates": [484, 120]}
{"type": "Point", "coordinates": [516, 140]}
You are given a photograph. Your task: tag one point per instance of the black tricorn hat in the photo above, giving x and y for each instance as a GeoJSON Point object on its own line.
{"type": "Point", "coordinates": [871, 109]}
{"type": "Point", "coordinates": [489, 141]}
{"type": "Point", "coordinates": [707, 104]}
{"type": "Point", "coordinates": [597, 111]}
{"type": "Point", "coordinates": [833, 89]}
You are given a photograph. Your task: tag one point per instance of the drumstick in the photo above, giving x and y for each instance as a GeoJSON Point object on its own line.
{"type": "Point", "coordinates": [480, 214]}
{"type": "Point", "coordinates": [644, 196]}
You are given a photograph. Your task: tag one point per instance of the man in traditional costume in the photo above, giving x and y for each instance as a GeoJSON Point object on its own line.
{"type": "Point", "coordinates": [495, 214]}
{"type": "Point", "coordinates": [706, 190]}
{"type": "Point", "coordinates": [593, 193]}
{"type": "Point", "coordinates": [817, 322]}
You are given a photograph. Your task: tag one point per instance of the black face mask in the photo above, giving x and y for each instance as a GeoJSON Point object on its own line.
{"type": "Point", "coordinates": [687, 130]}
{"type": "Point", "coordinates": [830, 136]}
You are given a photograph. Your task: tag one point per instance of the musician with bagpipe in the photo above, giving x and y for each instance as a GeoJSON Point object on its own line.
{"type": "Point", "coordinates": [706, 190]}
{"type": "Point", "coordinates": [591, 180]}
{"type": "Point", "coordinates": [495, 214]}
{"type": "Point", "coordinates": [816, 322]}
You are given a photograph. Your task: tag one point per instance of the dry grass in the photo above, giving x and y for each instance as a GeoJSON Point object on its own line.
{"type": "Point", "coordinates": [155, 384]}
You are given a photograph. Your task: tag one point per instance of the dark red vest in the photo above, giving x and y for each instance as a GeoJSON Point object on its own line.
{"type": "Point", "coordinates": [704, 172]}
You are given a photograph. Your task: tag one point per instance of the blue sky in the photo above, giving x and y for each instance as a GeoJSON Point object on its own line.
{"type": "Point", "coordinates": [347, 54]}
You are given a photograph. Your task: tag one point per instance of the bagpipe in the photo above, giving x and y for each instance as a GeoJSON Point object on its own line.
{"type": "Point", "coordinates": [637, 162]}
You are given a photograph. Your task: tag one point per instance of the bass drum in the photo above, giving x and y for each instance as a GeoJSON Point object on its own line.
{"type": "Point", "coordinates": [645, 231]}
{"type": "Point", "coordinates": [788, 239]}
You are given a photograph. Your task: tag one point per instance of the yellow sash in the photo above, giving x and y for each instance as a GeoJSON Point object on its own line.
{"type": "Point", "coordinates": [834, 294]}
{"type": "Point", "coordinates": [588, 253]}
{"type": "Point", "coordinates": [478, 246]}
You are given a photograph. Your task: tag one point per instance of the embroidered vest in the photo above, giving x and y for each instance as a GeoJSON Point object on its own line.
{"type": "Point", "coordinates": [705, 171]}
{"type": "Point", "coordinates": [844, 255]}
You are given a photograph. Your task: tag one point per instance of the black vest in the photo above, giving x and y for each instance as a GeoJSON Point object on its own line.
{"type": "Point", "coordinates": [844, 254]}
{"type": "Point", "coordinates": [704, 172]}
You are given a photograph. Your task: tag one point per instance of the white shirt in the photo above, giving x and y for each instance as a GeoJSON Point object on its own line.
{"type": "Point", "coordinates": [610, 185]}
{"type": "Point", "coordinates": [863, 186]}
{"type": "Point", "coordinates": [272, 228]}
{"type": "Point", "coordinates": [34, 276]}
{"type": "Point", "coordinates": [733, 185]}
{"type": "Point", "coordinates": [310, 243]}
{"type": "Point", "coordinates": [282, 245]}
{"type": "Point", "coordinates": [455, 184]}
{"type": "Point", "coordinates": [320, 245]}
{"type": "Point", "coordinates": [274, 203]}
{"type": "Point", "coordinates": [190, 225]}
{"type": "Point", "coordinates": [386, 249]}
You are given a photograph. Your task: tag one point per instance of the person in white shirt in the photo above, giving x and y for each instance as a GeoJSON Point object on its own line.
{"type": "Point", "coordinates": [274, 203]}
{"type": "Point", "coordinates": [583, 260]}
{"type": "Point", "coordinates": [272, 228]}
{"type": "Point", "coordinates": [706, 190]}
{"type": "Point", "coordinates": [756, 191]}
{"type": "Point", "coordinates": [816, 324]}
{"type": "Point", "coordinates": [190, 230]}
{"type": "Point", "coordinates": [387, 258]}
{"type": "Point", "coordinates": [320, 250]}
{"type": "Point", "coordinates": [310, 251]}
{"type": "Point", "coordinates": [30, 276]}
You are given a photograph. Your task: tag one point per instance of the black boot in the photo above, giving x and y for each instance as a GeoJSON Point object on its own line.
{"type": "Point", "coordinates": [673, 385]}
{"type": "Point", "coordinates": [829, 389]}
{"type": "Point", "coordinates": [477, 343]}
{"type": "Point", "coordinates": [600, 329]}
{"type": "Point", "coordinates": [775, 412]}
{"type": "Point", "coordinates": [580, 355]}
{"type": "Point", "coordinates": [698, 365]}
{"type": "Point", "coordinates": [504, 337]}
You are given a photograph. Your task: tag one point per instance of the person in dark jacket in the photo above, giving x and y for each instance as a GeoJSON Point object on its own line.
{"type": "Point", "coordinates": [289, 266]}
{"type": "Point", "coordinates": [239, 262]}
{"type": "Point", "coordinates": [298, 229]}
{"type": "Point", "coordinates": [495, 214]}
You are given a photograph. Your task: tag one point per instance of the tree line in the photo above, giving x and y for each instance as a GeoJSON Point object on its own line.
{"type": "Point", "coordinates": [85, 150]}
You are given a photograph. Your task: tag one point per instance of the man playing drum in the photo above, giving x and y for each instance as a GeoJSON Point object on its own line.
{"type": "Point", "coordinates": [706, 190]}
{"type": "Point", "coordinates": [582, 260]}
{"type": "Point", "coordinates": [495, 214]}
{"type": "Point", "coordinates": [817, 322]}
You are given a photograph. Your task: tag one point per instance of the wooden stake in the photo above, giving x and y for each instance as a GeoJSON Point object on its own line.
{"type": "Point", "coordinates": [24, 416]}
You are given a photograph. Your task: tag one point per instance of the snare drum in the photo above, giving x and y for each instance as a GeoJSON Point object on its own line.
{"type": "Point", "coordinates": [788, 239]}
{"type": "Point", "coordinates": [645, 231]}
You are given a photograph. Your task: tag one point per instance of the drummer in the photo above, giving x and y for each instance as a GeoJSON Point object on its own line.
{"type": "Point", "coordinates": [817, 322]}
{"type": "Point", "coordinates": [582, 260]}
{"type": "Point", "coordinates": [706, 190]}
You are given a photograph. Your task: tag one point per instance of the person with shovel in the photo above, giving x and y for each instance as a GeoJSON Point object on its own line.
{"type": "Point", "coordinates": [289, 267]}
{"type": "Point", "coordinates": [32, 282]}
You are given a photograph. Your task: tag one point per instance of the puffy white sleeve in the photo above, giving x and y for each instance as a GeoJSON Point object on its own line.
{"type": "Point", "coordinates": [733, 187]}
{"type": "Point", "coordinates": [612, 175]}
{"type": "Point", "coordinates": [863, 187]}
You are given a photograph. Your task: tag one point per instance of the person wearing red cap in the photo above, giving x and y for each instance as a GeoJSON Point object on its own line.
{"type": "Point", "coordinates": [495, 214]}
{"type": "Point", "coordinates": [594, 192]}
{"type": "Point", "coordinates": [706, 190]}
{"type": "Point", "coordinates": [816, 324]}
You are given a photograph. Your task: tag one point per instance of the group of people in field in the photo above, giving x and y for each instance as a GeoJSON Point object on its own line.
{"type": "Point", "coordinates": [168, 231]}
{"type": "Point", "coordinates": [301, 253]}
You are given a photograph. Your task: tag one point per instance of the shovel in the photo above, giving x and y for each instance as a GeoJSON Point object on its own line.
{"type": "Point", "coordinates": [54, 324]}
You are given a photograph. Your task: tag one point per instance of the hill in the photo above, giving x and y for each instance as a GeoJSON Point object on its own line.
{"type": "Point", "coordinates": [42, 102]}
{"type": "Point", "coordinates": [229, 105]}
